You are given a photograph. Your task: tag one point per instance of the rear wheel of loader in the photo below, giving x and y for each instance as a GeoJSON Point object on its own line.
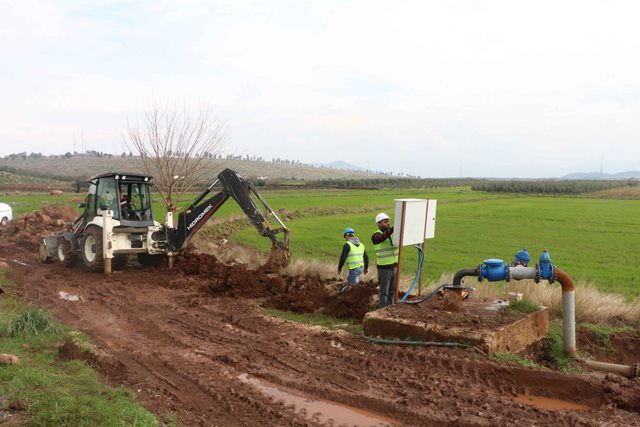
{"type": "Point", "coordinates": [148, 260]}
{"type": "Point", "coordinates": [65, 253]}
{"type": "Point", "coordinates": [91, 248]}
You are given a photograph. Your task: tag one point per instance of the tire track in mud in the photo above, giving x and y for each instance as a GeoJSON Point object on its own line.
{"type": "Point", "coordinates": [185, 351]}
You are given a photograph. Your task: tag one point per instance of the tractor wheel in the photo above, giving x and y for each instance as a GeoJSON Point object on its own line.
{"type": "Point", "coordinates": [91, 248]}
{"type": "Point", "coordinates": [148, 260]}
{"type": "Point", "coordinates": [65, 253]}
{"type": "Point", "coordinates": [4, 221]}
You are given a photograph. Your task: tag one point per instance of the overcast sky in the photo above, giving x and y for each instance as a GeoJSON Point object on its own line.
{"type": "Point", "coordinates": [430, 88]}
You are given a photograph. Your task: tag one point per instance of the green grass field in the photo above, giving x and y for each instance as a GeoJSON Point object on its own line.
{"type": "Point", "coordinates": [593, 239]}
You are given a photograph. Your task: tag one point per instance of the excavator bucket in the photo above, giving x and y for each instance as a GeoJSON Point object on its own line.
{"type": "Point", "coordinates": [280, 256]}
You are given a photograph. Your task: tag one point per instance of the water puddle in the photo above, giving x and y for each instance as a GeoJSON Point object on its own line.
{"type": "Point", "coordinates": [319, 411]}
{"type": "Point", "coordinates": [549, 403]}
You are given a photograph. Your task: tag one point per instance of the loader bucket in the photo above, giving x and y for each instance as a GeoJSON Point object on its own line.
{"type": "Point", "coordinates": [47, 250]}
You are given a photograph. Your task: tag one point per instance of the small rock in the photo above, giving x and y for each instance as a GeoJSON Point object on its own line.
{"type": "Point", "coordinates": [9, 359]}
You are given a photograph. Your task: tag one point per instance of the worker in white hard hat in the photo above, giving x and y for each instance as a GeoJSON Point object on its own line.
{"type": "Point", "coordinates": [354, 256]}
{"type": "Point", "coordinates": [386, 259]}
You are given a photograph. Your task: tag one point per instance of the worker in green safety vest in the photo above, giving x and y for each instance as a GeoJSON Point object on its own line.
{"type": "Point", "coordinates": [354, 256]}
{"type": "Point", "coordinates": [386, 259]}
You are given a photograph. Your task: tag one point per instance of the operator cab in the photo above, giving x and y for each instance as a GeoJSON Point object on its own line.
{"type": "Point", "coordinates": [128, 195]}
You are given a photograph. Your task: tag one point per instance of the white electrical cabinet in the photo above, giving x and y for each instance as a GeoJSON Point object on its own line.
{"type": "Point", "coordinates": [414, 221]}
{"type": "Point", "coordinates": [430, 228]}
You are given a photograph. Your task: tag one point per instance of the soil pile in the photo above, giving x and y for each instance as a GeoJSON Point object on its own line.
{"type": "Point", "coordinates": [296, 294]}
{"type": "Point", "coordinates": [28, 228]}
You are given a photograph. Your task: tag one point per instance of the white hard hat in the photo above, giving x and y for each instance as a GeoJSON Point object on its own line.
{"type": "Point", "coordinates": [381, 216]}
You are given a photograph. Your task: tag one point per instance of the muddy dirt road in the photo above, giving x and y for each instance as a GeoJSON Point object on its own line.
{"type": "Point", "coordinates": [193, 342]}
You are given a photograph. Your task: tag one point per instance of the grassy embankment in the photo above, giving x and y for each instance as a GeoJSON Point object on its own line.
{"type": "Point", "coordinates": [43, 390]}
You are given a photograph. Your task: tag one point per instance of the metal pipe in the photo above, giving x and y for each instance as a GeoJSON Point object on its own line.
{"type": "Point", "coordinates": [568, 312]}
{"type": "Point", "coordinates": [457, 278]}
{"type": "Point", "coordinates": [520, 272]}
{"type": "Point", "coordinates": [624, 370]}
{"type": "Point", "coordinates": [569, 323]}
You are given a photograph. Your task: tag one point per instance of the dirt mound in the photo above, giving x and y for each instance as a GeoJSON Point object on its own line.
{"type": "Point", "coordinates": [28, 228]}
{"type": "Point", "coordinates": [354, 302]}
{"type": "Point", "coordinates": [302, 295]}
{"type": "Point", "coordinates": [296, 294]}
{"type": "Point", "coordinates": [197, 264]}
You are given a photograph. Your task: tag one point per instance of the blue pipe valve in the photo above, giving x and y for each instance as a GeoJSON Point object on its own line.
{"type": "Point", "coordinates": [546, 270]}
{"type": "Point", "coordinates": [493, 270]}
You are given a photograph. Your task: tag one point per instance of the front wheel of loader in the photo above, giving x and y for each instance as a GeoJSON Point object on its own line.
{"type": "Point", "coordinates": [91, 249]}
{"type": "Point", "coordinates": [65, 253]}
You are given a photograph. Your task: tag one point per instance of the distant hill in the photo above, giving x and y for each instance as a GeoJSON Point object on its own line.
{"type": "Point", "coordinates": [80, 167]}
{"type": "Point", "coordinates": [605, 176]}
{"type": "Point", "coordinates": [340, 165]}
{"type": "Point", "coordinates": [11, 181]}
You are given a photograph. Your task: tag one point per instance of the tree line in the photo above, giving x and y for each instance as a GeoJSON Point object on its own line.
{"type": "Point", "coordinates": [377, 183]}
{"type": "Point", "coordinates": [551, 186]}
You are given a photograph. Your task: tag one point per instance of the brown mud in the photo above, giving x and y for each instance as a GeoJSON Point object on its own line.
{"type": "Point", "coordinates": [194, 342]}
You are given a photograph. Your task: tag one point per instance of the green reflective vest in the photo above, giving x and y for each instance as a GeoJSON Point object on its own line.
{"type": "Point", "coordinates": [355, 258]}
{"type": "Point", "coordinates": [386, 253]}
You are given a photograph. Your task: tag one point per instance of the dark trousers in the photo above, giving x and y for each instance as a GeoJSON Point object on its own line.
{"type": "Point", "coordinates": [387, 282]}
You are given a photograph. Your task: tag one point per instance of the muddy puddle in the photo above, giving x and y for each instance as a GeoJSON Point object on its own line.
{"type": "Point", "coordinates": [550, 404]}
{"type": "Point", "coordinates": [323, 412]}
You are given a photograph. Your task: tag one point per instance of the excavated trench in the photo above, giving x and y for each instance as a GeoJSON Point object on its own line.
{"type": "Point", "coordinates": [193, 342]}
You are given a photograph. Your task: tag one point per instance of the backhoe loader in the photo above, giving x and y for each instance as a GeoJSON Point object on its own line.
{"type": "Point", "coordinates": [118, 221]}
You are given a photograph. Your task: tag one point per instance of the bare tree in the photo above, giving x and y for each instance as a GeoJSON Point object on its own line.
{"type": "Point", "coordinates": [175, 147]}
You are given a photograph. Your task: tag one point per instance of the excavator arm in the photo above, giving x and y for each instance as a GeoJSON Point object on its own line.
{"type": "Point", "coordinates": [192, 218]}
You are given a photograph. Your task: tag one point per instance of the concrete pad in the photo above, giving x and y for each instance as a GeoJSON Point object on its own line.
{"type": "Point", "coordinates": [479, 323]}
